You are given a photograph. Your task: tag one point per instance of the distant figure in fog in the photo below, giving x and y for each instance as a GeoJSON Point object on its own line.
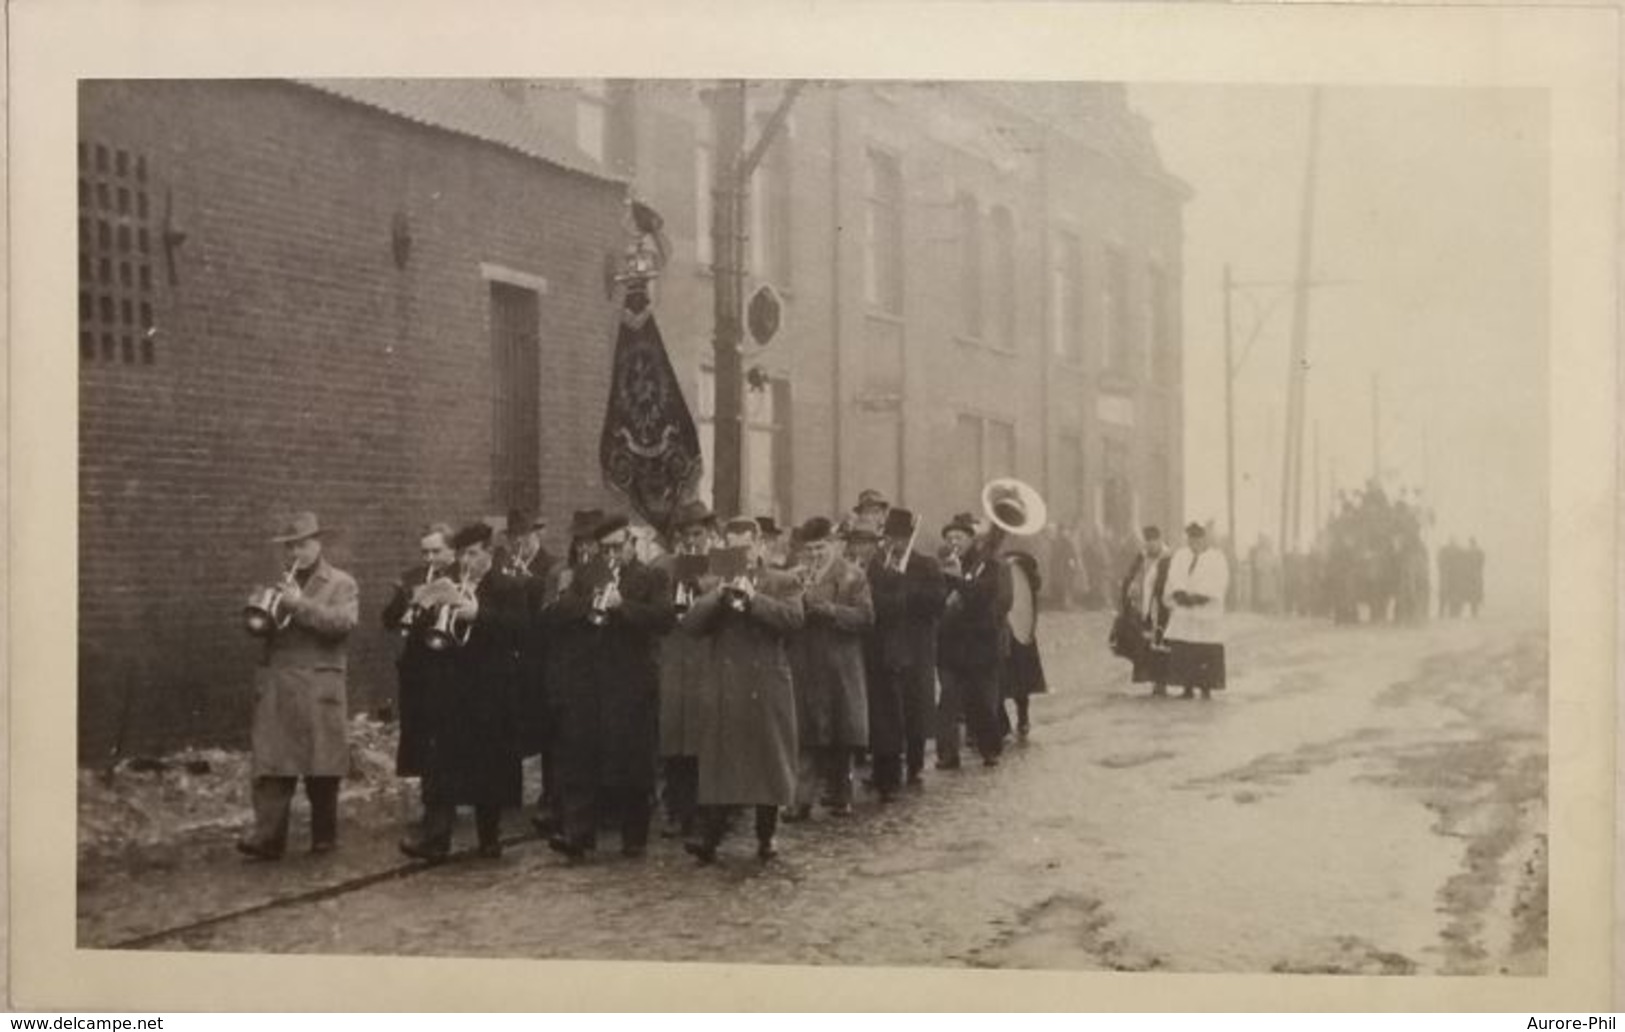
{"type": "Point", "coordinates": [1198, 578]}
{"type": "Point", "coordinates": [1473, 569]}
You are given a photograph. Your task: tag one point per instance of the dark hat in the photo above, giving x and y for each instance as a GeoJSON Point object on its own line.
{"type": "Point", "coordinates": [962, 523]}
{"type": "Point", "coordinates": [300, 526]}
{"type": "Point", "coordinates": [741, 525]}
{"type": "Point", "coordinates": [899, 524]}
{"type": "Point", "coordinates": [472, 534]}
{"type": "Point", "coordinates": [815, 530]}
{"type": "Point", "coordinates": [769, 526]}
{"type": "Point", "coordinates": [518, 521]}
{"type": "Point", "coordinates": [584, 522]}
{"type": "Point", "coordinates": [690, 513]}
{"type": "Point", "coordinates": [1151, 533]}
{"type": "Point", "coordinates": [1195, 529]}
{"type": "Point", "coordinates": [609, 525]}
{"type": "Point", "coordinates": [868, 498]}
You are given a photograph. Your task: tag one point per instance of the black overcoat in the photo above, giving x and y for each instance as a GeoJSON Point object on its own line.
{"type": "Point", "coordinates": [604, 681]}
{"type": "Point", "coordinates": [472, 753]}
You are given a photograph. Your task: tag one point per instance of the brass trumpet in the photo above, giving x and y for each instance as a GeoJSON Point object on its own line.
{"type": "Point", "coordinates": [414, 612]}
{"type": "Point", "coordinates": [263, 616]}
{"type": "Point", "coordinates": [450, 631]}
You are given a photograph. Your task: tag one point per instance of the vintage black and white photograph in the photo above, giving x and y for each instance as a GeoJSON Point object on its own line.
{"type": "Point", "coordinates": [1078, 525]}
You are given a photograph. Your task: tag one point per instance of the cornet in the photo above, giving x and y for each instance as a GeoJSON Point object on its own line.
{"type": "Point", "coordinates": [414, 612]}
{"type": "Point", "coordinates": [449, 630]}
{"type": "Point", "coordinates": [598, 616]}
{"type": "Point", "coordinates": [263, 616]}
{"type": "Point", "coordinates": [683, 598]}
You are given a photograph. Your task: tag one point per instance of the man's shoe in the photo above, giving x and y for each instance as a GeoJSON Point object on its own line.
{"type": "Point", "coordinates": [258, 851]}
{"type": "Point", "coordinates": [563, 846]}
{"type": "Point", "coordinates": [841, 810]}
{"type": "Point", "coordinates": [429, 852]}
{"type": "Point", "coordinates": [323, 846]}
{"type": "Point", "coordinates": [544, 825]}
{"type": "Point", "coordinates": [489, 851]}
{"type": "Point", "coordinates": [765, 850]}
{"type": "Point", "coordinates": [704, 852]}
{"type": "Point", "coordinates": [634, 852]}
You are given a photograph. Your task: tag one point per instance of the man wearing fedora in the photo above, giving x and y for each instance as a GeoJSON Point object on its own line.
{"type": "Point", "coordinates": [615, 610]}
{"type": "Point", "coordinates": [826, 658]}
{"type": "Point", "coordinates": [909, 593]}
{"type": "Point", "coordinates": [562, 647]}
{"type": "Point", "coordinates": [970, 643]}
{"type": "Point", "coordinates": [474, 743]}
{"type": "Point", "coordinates": [747, 734]}
{"type": "Point", "coordinates": [686, 689]}
{"type": "Point", "coordinates": [299, 697]}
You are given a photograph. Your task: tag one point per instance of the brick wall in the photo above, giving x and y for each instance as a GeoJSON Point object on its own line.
{"type": "Point", "coordinates": [295, 366]}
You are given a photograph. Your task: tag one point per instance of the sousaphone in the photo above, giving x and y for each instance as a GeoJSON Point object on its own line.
{"type": "Point", "coordinates": [1016, 508]}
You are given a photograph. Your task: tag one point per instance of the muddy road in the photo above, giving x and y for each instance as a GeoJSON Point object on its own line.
{"type": "Point", "coordinates": [1362, 800]}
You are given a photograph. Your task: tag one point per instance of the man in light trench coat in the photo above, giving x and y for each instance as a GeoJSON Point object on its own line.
{"type": "Point", "coordinates": [299, 698]}
{"type": "Point", "coordinates": [747, 735]}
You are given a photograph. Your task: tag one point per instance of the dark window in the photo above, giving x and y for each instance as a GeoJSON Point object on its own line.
{"type": "Point", "coordinates": [515, 376]}
{"type": "Point", "coordinates": [113, 234]}
{"type": "Point", "coordinates": [771, 208]}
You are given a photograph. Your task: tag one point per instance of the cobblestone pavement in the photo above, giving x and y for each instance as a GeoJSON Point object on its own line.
{"type": "Point", "coordinates": [1363, 800]}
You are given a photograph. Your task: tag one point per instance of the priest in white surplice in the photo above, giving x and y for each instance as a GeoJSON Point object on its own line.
{"type": "Point", "coordinates": [1198, 578]}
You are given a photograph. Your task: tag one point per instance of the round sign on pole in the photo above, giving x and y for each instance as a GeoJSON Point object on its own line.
{"type": "Point", "coordinates": [764, 313]}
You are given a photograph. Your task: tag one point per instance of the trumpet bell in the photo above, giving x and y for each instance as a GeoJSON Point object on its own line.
{"type": "Point", "coordinates": [1014, 506]}
{"type": "Point", "coordinates": [262, 616]}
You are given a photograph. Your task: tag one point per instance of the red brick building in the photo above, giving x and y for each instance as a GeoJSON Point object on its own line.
{"type": "Point", "coordinates": [385, 301]}
{"type": "Point", "coordinates": [980, 279]}
{"type": "Point", "coordinates": [380, 301]}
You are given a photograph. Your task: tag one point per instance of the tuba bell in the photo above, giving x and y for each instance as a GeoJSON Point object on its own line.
{"type": "Point", "coordinates": [1014, 506]}
{"type": "Point", "coordinates": [263, 615]}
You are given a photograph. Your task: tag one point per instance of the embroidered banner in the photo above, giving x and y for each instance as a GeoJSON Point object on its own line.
{"type": "Point", "coordinates": [649, 450]}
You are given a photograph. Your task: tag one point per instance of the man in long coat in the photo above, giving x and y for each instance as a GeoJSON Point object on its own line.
{"type": "Point", "coordinates": [299, 697]}
{"type": "Point", "coordinates": [972, 639]}
{"type": "Point", "coordinates": [409, 615]}
{"type": "Point", "coordinates": [473, 748]}
{"type": "Point", "coordinates": [609, 703]}
{"type": "Point", "coordinates": [563, 646]}
{"type": "Point", "coordinates": [909, 594]}
{"type": "Point", "coordinates": [832, 709]}
{"type": "Point", "coordinates": [1140, 599]}
{"type": "Point", "coordinates": [748, 752]}
{"type": "Point", "coordinates": [524, 559]}
{"type": "Point", "coordinates": [687, 692]}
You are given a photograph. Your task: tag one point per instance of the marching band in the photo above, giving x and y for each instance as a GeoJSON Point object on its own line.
{"type": "Point", "coordinates": [723, 672]}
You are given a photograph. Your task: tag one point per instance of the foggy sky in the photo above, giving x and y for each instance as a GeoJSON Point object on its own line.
{"type": "Point", "coordinates": [1432, 203]}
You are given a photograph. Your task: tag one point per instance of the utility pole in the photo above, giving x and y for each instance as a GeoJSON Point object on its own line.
{"type": "Point", "coordinates": [1315, 526]}
{"type": "Point", "coordinates": [731, 171]}
{"type": "Point", "coordinates": [1376, 428]}
{"type": "Point", "coordinates": [1298, 361]}
{"type": "Point", "coordinates": [1229, 421]}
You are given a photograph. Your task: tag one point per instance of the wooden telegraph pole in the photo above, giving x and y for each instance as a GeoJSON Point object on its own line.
{"type": "Point", "coordinates": [732, 168]}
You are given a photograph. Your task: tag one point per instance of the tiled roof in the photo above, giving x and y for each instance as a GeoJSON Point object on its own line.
{"type": "Point", "coordinates": [477, 108]}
